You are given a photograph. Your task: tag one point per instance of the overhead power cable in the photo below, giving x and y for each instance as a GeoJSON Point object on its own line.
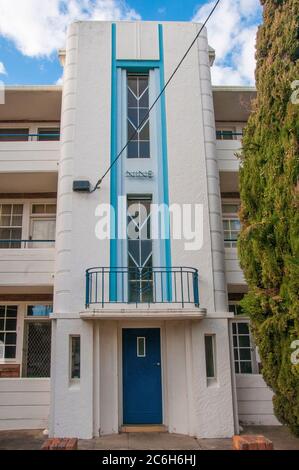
{"type": "Point", "coordinates": [156, 100]}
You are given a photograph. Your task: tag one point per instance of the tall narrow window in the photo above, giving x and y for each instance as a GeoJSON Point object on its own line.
{"type": "Point", "coordinates": [137, 112]}
{"type": "Point", "coordinates": [8, 331]}
{"type": "Point", "coordinates": [210, 351]}
{"type": "Point", "coordinates": [243, 350]}
{"type": "Point", "coordinates": [140, 255]}
{"type": "Point", "coordinates": [231, 224]}
{"type": "Point", "coordinates": [11, 217]}
{"type": "Point", "coordinates": [75, 371]}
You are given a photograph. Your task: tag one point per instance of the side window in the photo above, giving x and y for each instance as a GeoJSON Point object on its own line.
{"type": "Point", "coordinates": [231, 224]}
{"type": "Point", "coordinates": [75, 359]}
{"type": "Point", "coordinates": [210, 353]}
{"type": "Point", "coordinates": [242, 348]}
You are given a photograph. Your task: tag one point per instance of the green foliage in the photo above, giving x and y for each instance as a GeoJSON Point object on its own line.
{"type": "Point", "coordinates": [269, 240]}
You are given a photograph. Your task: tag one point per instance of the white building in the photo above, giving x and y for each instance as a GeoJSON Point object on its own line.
{"type": "Point", "coordinates": [158, 345]}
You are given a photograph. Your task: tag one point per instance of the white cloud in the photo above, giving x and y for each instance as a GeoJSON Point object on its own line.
{"type": "Point", "coordinates": [2, 69]}
{"type": "Point", "coordinates": [37, 27]}
{"type": "Point", "coordinates": [232, 33]}
{"type": "Point", "coordinates": [59, 81]}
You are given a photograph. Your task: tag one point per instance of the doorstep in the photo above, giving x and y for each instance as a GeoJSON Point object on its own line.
{"type": "Point", "coordinates": [136, 428]}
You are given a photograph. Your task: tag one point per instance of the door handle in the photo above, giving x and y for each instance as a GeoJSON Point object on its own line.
{"type": "Point", "coordinates": [158, 364]}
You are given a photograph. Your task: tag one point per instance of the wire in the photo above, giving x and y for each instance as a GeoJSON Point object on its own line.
{"type": "Point", "coordinates": [156, 100]}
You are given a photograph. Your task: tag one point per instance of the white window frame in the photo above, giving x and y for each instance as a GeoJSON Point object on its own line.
{"type": "Point", "coordinates": [211, 380]}
{"type": "Point", "coordinates": [230, 216]}
{"type": "Point", "coordinates": [254, 362]}
{"type": "Point", "coordinates": [12, 203]}
{"type": "Point", "coordinates": [27, 212]}
{"type": "Point", "coordinates": [74, 380]}
{"type": "Point", "coordinates": [41, 216]}
{"type": "Point", "coordinates": [137, 343]}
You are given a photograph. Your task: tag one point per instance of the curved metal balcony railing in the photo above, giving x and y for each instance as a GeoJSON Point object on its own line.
{"type": "Point", "coordinates": [154, 285]}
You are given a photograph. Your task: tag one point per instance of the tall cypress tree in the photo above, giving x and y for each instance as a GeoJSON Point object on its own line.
{"type": "Point", "coordinates": [269, 187]}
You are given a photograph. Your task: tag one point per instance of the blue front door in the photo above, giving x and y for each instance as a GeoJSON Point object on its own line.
{"type": "Point", "coordinates": [142, 391]}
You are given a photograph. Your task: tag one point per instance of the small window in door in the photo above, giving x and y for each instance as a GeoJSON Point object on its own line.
{"type": "Point", "coordinates": [141, 352]}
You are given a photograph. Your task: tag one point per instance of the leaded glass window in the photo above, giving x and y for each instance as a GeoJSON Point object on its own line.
{"type": "Point", "coordinates": [138, 108]}
{"type": "Point", "coordinates": [140, 254]}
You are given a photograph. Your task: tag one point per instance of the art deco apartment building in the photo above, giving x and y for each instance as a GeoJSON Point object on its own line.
{"type": "Point", "coordinates": [100, 334]}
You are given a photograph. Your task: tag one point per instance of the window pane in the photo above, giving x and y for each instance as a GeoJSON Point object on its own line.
{"type": "Point", "coordinates": [209, 349]}
{"type": "Point", "coordinates": [245, 354]}
{"type": "Point", "coordinates": [144, 150]}
{"type": "Point", "coordinates": [75, 359]}
{"type": "Point", "coordinates": [243, 328]}
{"type": "Point", "coordinates": [11, 339]}
{"type": "Point", "coordinates": [133, 116]}
{"type": "Point", "coordinates": [10, 352]}
{"type": "Point", "coordinates": [133, 150]}
{"type": "Point", "coordinates": [11, 324]}
{"type": "Point", "coordinates": [13, 135]}
{"type": "Point", "coordinates": [50, 208]}
{"type": "Point", "coordinates": [11, 311]}
{"type": "Point", "coordinates": [48, 134]}
{"type": "Point", "coordinates": [39, 310]}
{"type": "Point", "coordinates": [38, 209]}
{"type": "Point", "coordinates": [244, 341]}
{"type": "Point", "coordinates": [245, 368]}
{"type": "Point", "coordinates": [230, 208]}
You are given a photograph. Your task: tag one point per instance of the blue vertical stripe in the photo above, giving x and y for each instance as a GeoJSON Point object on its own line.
{"type": "Point", "coordinates": [165, 155]}
{"type": "Point", "coordinates": [113, 177]}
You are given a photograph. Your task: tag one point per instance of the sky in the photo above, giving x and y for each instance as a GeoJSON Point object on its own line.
{"type": "Point", "coordinates": [31, 32]}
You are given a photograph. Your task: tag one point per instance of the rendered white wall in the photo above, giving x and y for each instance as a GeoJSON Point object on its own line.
{"type": "Point", "coordinates": [85, 154]}
{"type": "Point", "coordinates": [226, 150]}
{"type": "Point", "coordinates": [255, 404]}
{"type": "Point", "coordinates": [137, 40]}
{"type": "Point", "coordinates": [23, 157]}
{"type": "Point", "coordinates": [29, 267]}
{"type": "Point", "coordinates": [234, 273]}
{"type": "Point", "coordinates": [24, 404]}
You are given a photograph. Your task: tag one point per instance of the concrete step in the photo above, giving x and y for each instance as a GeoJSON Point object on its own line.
{"type": "Point", "coordinates": [143, 428]}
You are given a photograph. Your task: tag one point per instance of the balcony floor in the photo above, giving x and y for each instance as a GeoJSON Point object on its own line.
{"type": "Point", "coordinates": [142, 311]}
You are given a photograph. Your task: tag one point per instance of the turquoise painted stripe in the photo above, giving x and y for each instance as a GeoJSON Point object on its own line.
{"type": "Point", "coordinates": [113, 177]}
{"type": "Point", "coordinates": [136, 66]}
{"type": "Point", "coordinates": [165, 157]}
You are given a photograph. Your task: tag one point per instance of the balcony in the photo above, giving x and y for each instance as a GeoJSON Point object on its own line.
{"type": "Point", "coordinates": [29, 153]}
{"type": "Point", "coordinates": [27, 262]}
{"type": "Point", "coordinates": [156, 292]}
{"type": "Point", "coordinates": [226, 149]}
{"type": "Point", "coordinates": [234, 273]}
